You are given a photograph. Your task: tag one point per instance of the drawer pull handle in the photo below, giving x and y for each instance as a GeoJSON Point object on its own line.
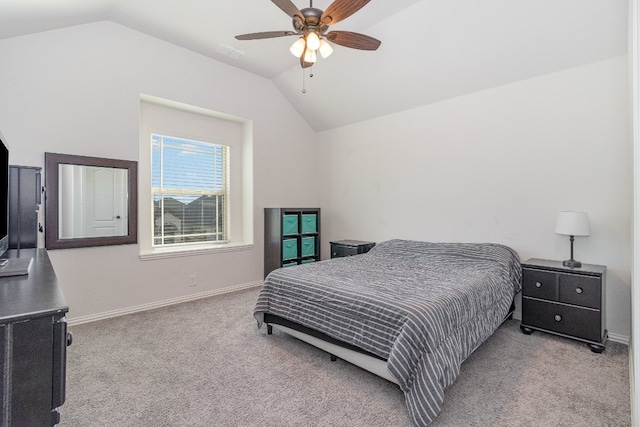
{"type": "Point", "coordinates": [558, 317]}
{"type": "Point", "coordinates": [578, 290]}
{"type": "Point", "coordinates": [538, 285]}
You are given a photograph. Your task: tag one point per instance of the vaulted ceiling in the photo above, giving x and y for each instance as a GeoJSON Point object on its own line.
{"type": "Point", "coordinates": [431, 50]}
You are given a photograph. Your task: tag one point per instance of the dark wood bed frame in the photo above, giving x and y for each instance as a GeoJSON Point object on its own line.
{"type": "Point", "coordinates": [272, 319]}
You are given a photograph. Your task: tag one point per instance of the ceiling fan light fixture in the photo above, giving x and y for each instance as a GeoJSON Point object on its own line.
{"type": "Point", "coordinates": [310, 56]}
{"type": "Point", "coordinates": [325, 48]}
{"type": "Point", "coordinates": [311, 26]}
{"type": "Point", "coordinates": [297, 48]}
{"type": "Point", "coordinates": [313, 41]}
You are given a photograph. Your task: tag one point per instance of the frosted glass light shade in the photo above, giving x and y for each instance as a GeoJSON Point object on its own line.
{"type": "Point", "coordinates": [297, 48]}
{"type": "Point", "coordinates": [325, 48]}
{"type": "Point", "coordinates": [310, 56]}
{"type": "Point", "coordinates": [573, 224]}
{"type": "Point", "coordinates": [313, 41]}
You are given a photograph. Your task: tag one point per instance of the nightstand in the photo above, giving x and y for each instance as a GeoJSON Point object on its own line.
{"type": "Point", "coordinates": [569, 302]}
{"type": "Point", "coordinates": [343, 248]}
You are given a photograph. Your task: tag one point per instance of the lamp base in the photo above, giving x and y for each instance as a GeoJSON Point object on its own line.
{"type": "Point", "coordinates": [572, 263]}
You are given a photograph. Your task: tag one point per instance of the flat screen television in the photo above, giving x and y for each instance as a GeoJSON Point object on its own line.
{"type": "Point", "coordinates": [4, 196]}
{"type": "Point", "coordinates": [15, 266]}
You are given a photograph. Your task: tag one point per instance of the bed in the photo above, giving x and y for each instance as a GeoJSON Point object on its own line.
{"type": "Point", "coordinates": [409, 311]}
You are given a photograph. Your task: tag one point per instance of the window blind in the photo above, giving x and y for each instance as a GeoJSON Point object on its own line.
{"type": "Point", "coordinates": [190, 182]}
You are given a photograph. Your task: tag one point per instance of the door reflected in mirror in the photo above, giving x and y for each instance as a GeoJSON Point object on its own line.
{"type": "Point", "coordinates": [92, 201]}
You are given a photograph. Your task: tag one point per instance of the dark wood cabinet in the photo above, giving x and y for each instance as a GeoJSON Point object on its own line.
{"type": "Point", "coordinates": [24, 203]}
{"type": "Point", "coordinates": [33, 341]}
{"type": "Point", "coordinates": [565, 301]}
{"type": "Point", "coordinates": [342, 248]}
{"type": "Point", "coordinates": [291, 237]}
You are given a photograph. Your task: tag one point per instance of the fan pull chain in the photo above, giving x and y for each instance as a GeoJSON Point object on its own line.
{"type": "Point", "coordinates": [304, 90]}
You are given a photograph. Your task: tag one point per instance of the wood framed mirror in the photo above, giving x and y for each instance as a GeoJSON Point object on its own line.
{"type": "Point", "coordinates": [90, 201]}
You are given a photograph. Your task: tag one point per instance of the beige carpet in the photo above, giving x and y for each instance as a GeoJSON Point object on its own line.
{"type": "Point", "coordinates": [204, 363]}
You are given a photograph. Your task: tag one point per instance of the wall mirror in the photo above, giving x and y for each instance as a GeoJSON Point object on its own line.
{"type": "Point", "coordinates": [89, 201]}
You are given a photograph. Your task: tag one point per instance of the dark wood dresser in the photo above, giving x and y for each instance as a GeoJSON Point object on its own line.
{"type": "Point", "coordinates": [33, 343]}
{"type": "Point", "coordinates": [565, 301]}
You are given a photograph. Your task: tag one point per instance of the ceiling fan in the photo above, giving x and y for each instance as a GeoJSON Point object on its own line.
{"type": "Point", "coordinates": [312, 24]}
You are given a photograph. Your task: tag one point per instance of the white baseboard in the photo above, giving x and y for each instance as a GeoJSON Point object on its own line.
{"type": "Point", "coordinates": [622, 339]}
{"type": "Point", "coordinates": [158, 304]}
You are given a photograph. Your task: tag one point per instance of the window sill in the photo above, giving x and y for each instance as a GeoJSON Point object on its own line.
{"type": "Point", "coordinates": [152, 254]}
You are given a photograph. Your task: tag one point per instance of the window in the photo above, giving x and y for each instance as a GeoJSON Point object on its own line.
{"type": "Point", "coordinates": [189, 191]}
{"type": "Point", "coordinates": [195, 190]}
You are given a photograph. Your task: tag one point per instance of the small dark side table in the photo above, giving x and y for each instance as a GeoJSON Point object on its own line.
{"type": "Point", "coordinates": [564, 301]}
{"type": "Point", "coordinates": [342, 248]}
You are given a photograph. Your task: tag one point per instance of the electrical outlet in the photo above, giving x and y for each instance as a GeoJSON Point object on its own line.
{"type": "Point", "coordinates": [192, 281]}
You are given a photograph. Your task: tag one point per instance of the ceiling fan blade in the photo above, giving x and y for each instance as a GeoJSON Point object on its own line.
{"type": "Point", "coordinates": [265, 35]}
{"type": "Point", "coordinates": [341, 9]}
{"type": "Point", "coordinates": [353, 40]}
{"type": "Point", "coordinates": [289, 8]}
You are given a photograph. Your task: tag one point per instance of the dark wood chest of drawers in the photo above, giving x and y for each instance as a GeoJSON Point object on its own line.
{"type": "Point", "coordinates": [564, 301]}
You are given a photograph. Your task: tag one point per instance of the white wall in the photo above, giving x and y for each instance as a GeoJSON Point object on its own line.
{"type": "Point", "coordinates": [77, 91]}
{"type": "Point", "coordinates": [496, 165]}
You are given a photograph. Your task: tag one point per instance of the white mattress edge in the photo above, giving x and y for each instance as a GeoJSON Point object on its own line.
{"type": "Point", "coordinates": [369, 363]}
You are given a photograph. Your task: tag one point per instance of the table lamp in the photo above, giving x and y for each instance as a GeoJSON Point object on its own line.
{"type": "Point", "coordinates": [572, 224]}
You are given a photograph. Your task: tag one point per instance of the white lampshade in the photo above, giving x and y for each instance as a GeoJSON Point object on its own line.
{"type": "Point", "coordinates": [313, 41]}
{"type": "Point", "coordinates": [310, 56]}
{"type": "Point", "coordinates": [573, 224]}
{"type": "Point", "coordinates": [325, 48]}
{"type": "Point", "coordinates": [297, 48]}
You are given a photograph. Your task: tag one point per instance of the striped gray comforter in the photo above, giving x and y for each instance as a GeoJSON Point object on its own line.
{"type": "Point", "coordinates": [425, 307]}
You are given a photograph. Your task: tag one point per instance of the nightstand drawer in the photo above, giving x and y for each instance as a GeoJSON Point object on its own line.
{"type": "Point", "coordinates": [342, 248]}
{"type": "Point", "coordinates": [580, 290]}
{"type": "Point", "coordinates": [338, 251]}
{"type": "Point", "coordinates": [568, 320]}
{"type": "Point", "coordinates": [540, 284]}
